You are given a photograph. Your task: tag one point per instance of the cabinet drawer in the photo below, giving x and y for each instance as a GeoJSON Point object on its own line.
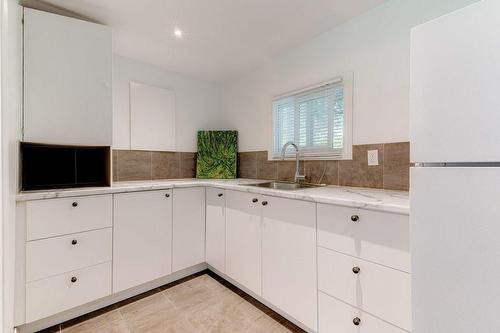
{"type": "Point", "coordinates": [52, 256]}
{"type": "Point", "coordinates": [376, 289]}
{"type": "Point", "coordinates": [336, 316]}
{"type": "Point", "coordinates": [58, 293]}
{"type": "Point", "coordinates": [375, 236]}
{"type": "Point", "coordinates": [54, 217]}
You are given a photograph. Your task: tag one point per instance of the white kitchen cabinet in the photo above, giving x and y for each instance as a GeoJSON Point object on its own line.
{"type": "Point", "coordinates": [189, 227]}
{"type": "Point", "coordinates": [142, 242]}
{"type": "Point", "coordinates": [380, 237]}
{"type": "Point", "coordinates": [62, 216]}
{"type": "Point", "coordinates": [67, 80]}
{"type": "Point", "coordinates": [152, 118]}
{"type": "Point", "coordinates": [216, 228]}
{"type": "Point", "coordinates": [243, 239]}
{"type": "Point", "coordinates": [289, 257]}
{"type": "Point", "coordinates": [58, 293]}
{"type": "Point", "coordinates": [338, 317]}
{"type": "Point", "coordinates": [376, 289]}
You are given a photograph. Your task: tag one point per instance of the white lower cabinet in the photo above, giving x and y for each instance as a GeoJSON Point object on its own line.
{"type": "Point", "coordinates": [289, 258]}
{"type": "Point", "coordinates": [188, 227]}
{"type": "Point", "coordinates": [378, 290]}
{"type": "Point", "coordinates": [337, 317]}
{"type": "Point", "coordinates": [216, 229]}
{"type": "Point", "coordinates": [58, 293]}
{"type": "Point", "coordinates": [52, 256]}
{"type": "Point", "coordinates": [142, 243]}
{"type": "Point", "coordinates": [243, 239]}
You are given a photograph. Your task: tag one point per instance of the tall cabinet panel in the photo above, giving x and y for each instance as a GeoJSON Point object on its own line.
{"type": "Point", "coordinates": [142, 237]}
{"type": "Point", "coordinates": [243, 239]}
{"type": "Point", "coordinates": [216, 229]}
{"type": "Point", "coordinates": [189, 227]}
{"type": "Point", "coordinates": [67, 80]}
{"type": "Point", "coordinates": [289, 257]}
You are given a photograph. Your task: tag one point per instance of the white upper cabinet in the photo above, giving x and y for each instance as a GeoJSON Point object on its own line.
{"type": "Point", "coordinates": [67, 80]}
{"type": "Point", "coordinates": [289, 257]}
{"type": "Point", "coordinates": [454, 96]}
{"type": "Point", "coordinates": [152, 118]}
{"type": "Point", "coordinates": [216, 228]}
{"type": "Point", "coordinates": [189, 227]}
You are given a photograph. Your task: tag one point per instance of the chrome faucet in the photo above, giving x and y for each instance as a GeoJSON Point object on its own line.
{"type": "Point", "coordinates": [298, 176]}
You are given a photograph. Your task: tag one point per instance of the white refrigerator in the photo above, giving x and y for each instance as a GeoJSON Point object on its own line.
{"type": "Point", "coordinates": [455, 184]}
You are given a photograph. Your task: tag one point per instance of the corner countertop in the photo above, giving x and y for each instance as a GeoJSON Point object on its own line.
{"type": "Point", "coordinates": [374, 199]}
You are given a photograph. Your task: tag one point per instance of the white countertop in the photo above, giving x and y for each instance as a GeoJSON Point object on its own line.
{"type": "Point", "coordinates": [374, 199]}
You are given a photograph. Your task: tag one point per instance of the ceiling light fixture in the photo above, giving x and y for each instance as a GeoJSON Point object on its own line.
{"type": "Point", "coordinates": [178, 33]}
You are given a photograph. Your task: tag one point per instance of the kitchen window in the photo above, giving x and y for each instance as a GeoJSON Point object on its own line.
{"type": "Point", "coordinates": [317, 119]}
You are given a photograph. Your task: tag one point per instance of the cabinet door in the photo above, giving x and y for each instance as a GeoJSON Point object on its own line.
{"type": "Point", "coordinates": [243, 239]}
{"type": "Point", "coordinates": [216, 229]}
{"type": "Point", "coordinates": [189, 227]}
{"type": "Point", "coordinates": [142, 241]}
{"type": "Point", "coordinates": [289, 257]}
{"type": "Point", "coordinates": [67, 80]}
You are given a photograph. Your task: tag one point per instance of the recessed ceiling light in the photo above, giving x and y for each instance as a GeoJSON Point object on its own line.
{"type": "Point", "coordinates": [178, 33]}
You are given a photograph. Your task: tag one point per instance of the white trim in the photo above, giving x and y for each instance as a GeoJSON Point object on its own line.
{"type": "Point", "coordinates": [347, 79]}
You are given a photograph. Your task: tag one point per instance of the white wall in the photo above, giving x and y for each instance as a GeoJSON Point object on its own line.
{"type": "Point", "coordinates": [198, 103]}
{"type": "Point", "coordinates": [375, 46]}
{"type": "Point", "coordinates": [11, 62]}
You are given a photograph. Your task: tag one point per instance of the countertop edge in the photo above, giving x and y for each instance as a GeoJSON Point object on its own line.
{"type": "Point", "coordinates": [371, 202]}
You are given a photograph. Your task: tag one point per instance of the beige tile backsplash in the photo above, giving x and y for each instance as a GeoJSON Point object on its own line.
{"type": "Point", "coordinates": [148, 165]}
{"type": "Point", "coordinates": [391, 173]}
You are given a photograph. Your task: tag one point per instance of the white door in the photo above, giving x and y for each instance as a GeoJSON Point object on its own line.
{"type": "Point", "coordinates": [142, 237]}
{"type": "Point", "coordinates": [67, 80]}
{"type": "Point", "coordinates": [243, 239]}
{"type": "Point", "coordinates": [289, 257]}
{"type": "Point", "coordinates": [455, 75]}
{"type": "Point", "coordinates": [216, 229]}
{"type": "Point", "coordinates": [189, 227]}
{"type": "Point", "coordinates": [455, 247]}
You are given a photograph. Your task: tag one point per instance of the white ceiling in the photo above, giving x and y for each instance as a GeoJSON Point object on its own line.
{"type": "Point", "coordinates": [222, 38]}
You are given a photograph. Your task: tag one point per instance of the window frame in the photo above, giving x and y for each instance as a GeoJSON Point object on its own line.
{"type": "Point", "coordinates": [345, 153]}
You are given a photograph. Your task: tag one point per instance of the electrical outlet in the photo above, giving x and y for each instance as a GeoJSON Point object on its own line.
{"type": "Point", "coordinates": [372, 157]}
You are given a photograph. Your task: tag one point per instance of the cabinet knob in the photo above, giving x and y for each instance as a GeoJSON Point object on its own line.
{"type": "Point", "coordinates": [167, 195]}
{"type": "Point", "coordinates": [356, 321]}
{"type": "Point", "coordinates": [264, 203]}
{"type": "Point", "coordinates": [354, 218]}
{"type": "Point", "coordinates": [220, 195]}
{"type": "Point", "coordinates": [254, 200]}
{"type": "Point", "coordinates": [356, 270]}
{"type": "Point", "coordinates": [74, 204]}
{"type": "Point", "coordinates": [73, 279]}
{"type": "Point", "coordinates": [74, 242]}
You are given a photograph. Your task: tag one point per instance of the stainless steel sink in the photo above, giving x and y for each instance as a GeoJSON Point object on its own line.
{"type": "Point", "coordinates": [286, 185]}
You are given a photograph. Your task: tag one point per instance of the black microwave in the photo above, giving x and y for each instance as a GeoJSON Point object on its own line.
{"type": "Point", "coordinates": [46, 166]}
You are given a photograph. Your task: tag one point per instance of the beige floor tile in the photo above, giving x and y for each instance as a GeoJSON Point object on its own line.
{"type": "Point", "coordinates": [110, 322]}
{"type": "Point", "coordinates": [199, 305]}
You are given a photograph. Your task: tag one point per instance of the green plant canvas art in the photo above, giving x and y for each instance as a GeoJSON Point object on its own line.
{"type": "Point", "coordinates": [217, 154]}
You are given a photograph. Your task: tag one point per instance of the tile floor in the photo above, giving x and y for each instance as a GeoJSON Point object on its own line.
{"type": "Point", "coordinates": [199, 303]}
